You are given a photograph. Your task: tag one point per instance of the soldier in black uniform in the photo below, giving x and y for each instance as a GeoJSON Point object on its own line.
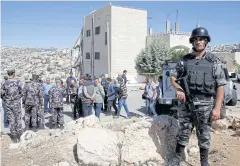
{"type": "Point", "coordinates": [206, 80]}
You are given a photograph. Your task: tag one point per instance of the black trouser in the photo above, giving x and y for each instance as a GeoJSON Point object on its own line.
{"type": "Point", "coordinates": [113, 104]}
{"type": "Point", "coordinates": [105, 101]}
{"type": "Point", "coordinates": [77, 108]}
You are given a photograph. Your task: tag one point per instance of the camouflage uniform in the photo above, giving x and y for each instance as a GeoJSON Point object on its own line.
{"type": "Point", "coordinates": [11, 93]}
{"type": "Point", "coordinates": [40, 110]}
{"type": "Point", "coordinates": [32, 100]}
{"type": "Point", "coordinates": [56, 95]}
{"type": "Point", "coordinates": [201, 117]}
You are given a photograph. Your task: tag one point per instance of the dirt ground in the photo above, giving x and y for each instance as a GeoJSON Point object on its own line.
{"type": "Point", "coordinates": [225, 151]}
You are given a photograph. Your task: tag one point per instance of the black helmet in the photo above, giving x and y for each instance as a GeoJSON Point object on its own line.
{"type": "Point", "coordinates": [199, 32]}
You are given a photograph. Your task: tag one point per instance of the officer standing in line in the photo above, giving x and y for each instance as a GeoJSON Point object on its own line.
{"type": "Point", "coordinates": [11, 93]}
{"type": "Point", "coordinates": [32, 100]}
{"type": "Point", "coordinates": [56, 94]}
{"type": "Point", "coordinates": [206, 80]}
{"type": "Point", "coordinates": [5, 121]}
{"type": "Point", "coordinates": [40, 110]}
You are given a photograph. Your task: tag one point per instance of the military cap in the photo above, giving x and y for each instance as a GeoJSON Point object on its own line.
{"type": "Point", "coordinates": [5, 77]}
{"type": "Point", "coordinates": [35, 77]}
{"type": "Point", "coordinates": [10, 71]}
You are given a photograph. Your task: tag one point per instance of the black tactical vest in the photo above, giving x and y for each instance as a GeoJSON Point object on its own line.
{"type": "Point", "coordinates": [200, 75]}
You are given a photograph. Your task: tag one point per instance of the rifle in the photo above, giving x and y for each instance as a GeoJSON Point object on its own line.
{"type": "Point", "coordinates": [189, 99]}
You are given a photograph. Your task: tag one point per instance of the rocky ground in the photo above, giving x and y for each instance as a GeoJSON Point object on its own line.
{"type": "Point", "coordinates": [134, 142]}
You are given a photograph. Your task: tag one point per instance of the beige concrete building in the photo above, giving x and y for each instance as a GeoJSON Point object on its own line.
{"type": "Point", "coordinates": [111, 39]}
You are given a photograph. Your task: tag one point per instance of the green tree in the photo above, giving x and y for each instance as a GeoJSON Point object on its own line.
{"type": "Point", "coordinates": [178, 51]}
{"type": "Point", "coordinates": [150, 60]}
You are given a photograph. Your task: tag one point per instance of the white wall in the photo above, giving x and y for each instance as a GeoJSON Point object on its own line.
{"type": "Point", "coordinates": [128, 35]}
{"type": "Point", "coordinates": [171, 40]}
{"type": "Point", "coordinates": [237, 57]}
{"type": "Point", "coordinates": [101, 17]}
{"type": "Point", "coordinates": [179, 39]}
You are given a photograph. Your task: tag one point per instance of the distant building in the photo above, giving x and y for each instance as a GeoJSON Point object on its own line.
{"type": "Point", "coordinates": [171, 39]}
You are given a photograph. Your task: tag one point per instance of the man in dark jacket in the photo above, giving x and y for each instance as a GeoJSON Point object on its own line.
{"type": "Point", "coordinates": [87, 97]}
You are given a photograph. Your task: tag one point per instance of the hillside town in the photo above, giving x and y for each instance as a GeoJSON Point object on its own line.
{"type": "Point", "coordinates": [54, 62]}
{"type": "Point", "coordinates": [46, 62]}
{"type": "Point", "coordinates": [88, 105]}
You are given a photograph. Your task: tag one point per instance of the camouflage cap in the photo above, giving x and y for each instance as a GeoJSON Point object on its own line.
{"type": "Point", "coordinates": [35, 77]}
{"type": "Point", "coordinates": [10, 71]}
{"type": "Point", "coordinates": [5, 77]}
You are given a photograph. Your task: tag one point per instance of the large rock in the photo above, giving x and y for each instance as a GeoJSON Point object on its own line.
{"type": "Point", "coordinates": [138, 146]}
{"type": "Point", "coordinates": [236, 124]}
{"type": "Point", "coordinates": [220, 125]}
{"type": "Point", "coordinates": [163, 132]}
{"type": "Point", "coordinates": [141, 142]}
{"type": "Point", "coordinates": [30, 139]}
{"type": "Point", "coordinates": [97, 146]}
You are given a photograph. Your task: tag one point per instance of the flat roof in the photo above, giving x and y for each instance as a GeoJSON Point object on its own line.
{"type": "Point", "coordinates": [115, 6]}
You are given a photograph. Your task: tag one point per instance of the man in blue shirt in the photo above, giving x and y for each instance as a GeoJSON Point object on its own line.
{"type": "Point", "coordinates": [46, 87]}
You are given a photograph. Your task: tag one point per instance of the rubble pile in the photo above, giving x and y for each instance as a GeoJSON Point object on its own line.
{"type": "Point", "coordinates": [86, 141]}
{"type": "Point", "coordinates": [45, 62]}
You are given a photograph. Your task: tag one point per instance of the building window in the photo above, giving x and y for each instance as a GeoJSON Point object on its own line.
{"type": "Point", "coordinates": [97, 30]}
{"type": "Point", "coordinates": [97, 55]}
{"type": "Point", "coordinates": [105, 38]}
{"type": "Point", "coordinates": [88, 33]}
{"type": "Point", "coordinates": [87, 55]}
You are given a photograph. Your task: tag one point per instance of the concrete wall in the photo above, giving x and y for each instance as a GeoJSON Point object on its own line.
{"type": "Point", "coordinates": [128, 38]}
{"type": "Point", "coordinates": [101, 17]}
{"type": "Point", "coordinates": [171, 39]}
{"type": "Point", "coordinates": [237, 57]}
{"type": "Point", "coordinates": [180, 39]}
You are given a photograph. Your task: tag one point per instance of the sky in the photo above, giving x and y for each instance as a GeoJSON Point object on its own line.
{"type": "Point", "coordinates": [57, 24]}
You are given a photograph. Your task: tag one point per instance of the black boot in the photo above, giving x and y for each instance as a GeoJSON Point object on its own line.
{"type": "Point", "coordinates": [19, 137]}
{"type": "Point", "coordinates": [54, 126]}
{"type": "Point", "coordinates": [41, 126]}
{"type": "Point", "coordinates": [26, 127]}
{"type": "Point", "coordinates": [74, 116]}
{"type": "Point", "coordinates": [204, 157]}
{"type": "Point", "coordinates": [61, 126]}
{"type": "Point", "coordinates": [34, 128]}
{"type": "Point", "coordinates": [14, 139]}
{"type": "Point", "coordinates": [180, 151]}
